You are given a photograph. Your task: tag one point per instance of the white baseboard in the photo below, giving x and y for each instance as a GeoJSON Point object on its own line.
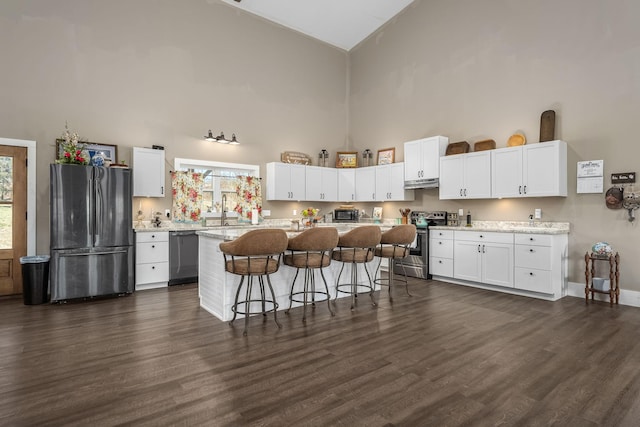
{"type": "Point", "coordinates": [627, 297]}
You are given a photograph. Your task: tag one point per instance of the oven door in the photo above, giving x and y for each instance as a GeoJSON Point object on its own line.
{"type": "Point", "coordinates": [418, 246]}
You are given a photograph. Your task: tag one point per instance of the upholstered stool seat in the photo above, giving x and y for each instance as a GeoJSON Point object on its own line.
{"type": "Point", "coordinates": [254, 254]}
{"type": "Point", "coordinates": [311, 251]}
{"type": "Point", "coordinates": [394, 245]}
{"type": "Point", "coordinates": [357, 247]}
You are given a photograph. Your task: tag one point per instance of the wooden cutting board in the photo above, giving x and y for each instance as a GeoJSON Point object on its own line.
{"type": "Point", "coordinates": [547, 126]}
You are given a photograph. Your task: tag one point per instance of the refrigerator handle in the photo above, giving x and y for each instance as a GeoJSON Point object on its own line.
{"type": "Point", "coordinates": [97, 212]}
{"type": "Point", "coordinates": [94, 253]}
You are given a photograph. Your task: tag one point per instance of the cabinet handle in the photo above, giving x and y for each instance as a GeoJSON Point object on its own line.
{"type": "Point", "coordinates": [478, 248]}
{"type": "Point", "coordinates": [531, 239]}
{"type": "Point", "coordinates": [373, 196]}
{"type": "Point", "coordinates": [530, 250]}
{"type": "Point", "coordinates": [520, 189]}
{"type": "Point", "coordinates": [465, 192]}
{"type": "Point", "coordinates": [482, 248]}
{"type": "Point", "coordinates": [525, 189]}
{"type": "Point", "coordinates": [439, 261]}
{"type": "Point", "coordinates": [439, 243]}
{"type": "Point", "coordinates": [530, 274]}
{"type": "Point", "coordinates": [153, 246]}
{"type": "Point", "coordinates": [153, 236]}
{"type": "Point", "coordinates": [153, 267]}
{"type": "Point", "coordinates": [461, 192]}
{"type": "Point", "coordinates": [482, 236]}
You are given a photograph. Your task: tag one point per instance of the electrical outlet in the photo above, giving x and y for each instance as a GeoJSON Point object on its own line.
{"type": "Point", "coordinates": [266, 213]}
{"type": "Point", "coordinates": [167, 213]}
{"type": "Point", "coordinates": [295, 212]}
{"type": "Point", "coordinates": [538, 214]}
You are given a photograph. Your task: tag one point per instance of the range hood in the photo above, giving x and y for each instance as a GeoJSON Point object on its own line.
{"type": "Point", "coordinates": [422, 183]}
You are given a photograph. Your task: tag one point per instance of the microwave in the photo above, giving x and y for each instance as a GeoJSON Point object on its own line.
{"type": "Point", "coordinates": [346, 215]}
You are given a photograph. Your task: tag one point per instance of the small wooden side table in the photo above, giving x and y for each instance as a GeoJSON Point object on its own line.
{"type": "Point", "coordinates": [614, 276]}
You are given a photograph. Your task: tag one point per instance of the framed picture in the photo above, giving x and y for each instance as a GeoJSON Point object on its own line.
{"type": "Point", "coordinates": [347, 159]}
{"type": "Point", "coordinates": [377, 213]}
{"type": "Point", "coordinates": [386, 156]}
{"type": "Point", "coordinates": [110, 152]}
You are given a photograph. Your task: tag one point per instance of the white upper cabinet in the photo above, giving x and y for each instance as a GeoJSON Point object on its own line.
{"type": "Point", "coordinates": [285, 181]}
{"type": "Point", "coordinates": [346, 185]}
{"type": "Point", "coordinates": [148, 172]}
{"type": "Point", "coordinates": [422, 158]}
{"type": "Point", "coordinates": [535, 170]}
{"type": "Point", "coordinates": [366, 184]}
{"type": "Point", "coordinates": [390, 183]}
{"type": "Point", "coordinates": [321, 184]}
{"type": "Point", "coordinates": [466, 176]}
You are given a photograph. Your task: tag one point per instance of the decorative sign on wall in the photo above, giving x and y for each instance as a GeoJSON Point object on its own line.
{"type": "Point", "coordinates": [623, 178]}
{"type": "Point", "coordinates": [590, 176]}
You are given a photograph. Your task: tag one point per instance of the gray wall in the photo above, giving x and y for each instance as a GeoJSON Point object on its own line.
{"type": "Point", "coordinates": [164, 72]}
{"type": "Point", "coordinates": [144, 72]}
{"type": "Point", "coordinates": [473, 70]}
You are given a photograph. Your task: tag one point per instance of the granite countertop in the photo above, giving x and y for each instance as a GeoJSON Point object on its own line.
{"type": "Point", "coordinates": [538, 227]}
{"type": "Point", "coordinates": [231, 232]}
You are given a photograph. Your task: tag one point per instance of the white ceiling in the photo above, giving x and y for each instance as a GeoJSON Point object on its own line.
{"type": "Point", "coordinates": [341, 23]}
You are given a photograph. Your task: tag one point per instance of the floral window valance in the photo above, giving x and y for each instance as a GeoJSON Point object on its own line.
{"type": "Point", "coordinates": [186, 188]}
{"type": "Point", "coordinates": [249, 192]}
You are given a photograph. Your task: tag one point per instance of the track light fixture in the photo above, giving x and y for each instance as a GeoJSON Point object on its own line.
{"type": "Point", "coordinates": [221, 138]}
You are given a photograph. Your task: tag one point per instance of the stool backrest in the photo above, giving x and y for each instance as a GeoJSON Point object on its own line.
{"type": "Point", "coordinates": [257, 242]}
{"type": "Point", "coordinates": [315, 239]}
{"type": "Point", "coordinates": [365, 236]}
{"type": "Point", "coordinates": [399, 235]}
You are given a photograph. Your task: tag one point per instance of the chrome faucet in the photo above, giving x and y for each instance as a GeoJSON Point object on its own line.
{"type": "Point", "coordinates": [223, 214]}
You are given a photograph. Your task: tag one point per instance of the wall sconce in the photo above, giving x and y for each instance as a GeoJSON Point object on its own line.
{"type": "Point", "coordinates": [221, 138]}
{"type": "Point", "coordinates": [367, 156]}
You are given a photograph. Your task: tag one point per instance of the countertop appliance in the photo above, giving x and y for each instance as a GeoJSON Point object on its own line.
{"type": "Point", "coordinates": [346, 215]}
{"type": "Point", "coordinates": [91, 237]}
{"type": "Point", "coordinates": [417, 263]}
{"type": "Point", "coordinates": [183, 257]}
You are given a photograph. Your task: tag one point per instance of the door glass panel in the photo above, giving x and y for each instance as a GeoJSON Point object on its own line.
{"type": "Point", "coordinates": [6, 201]}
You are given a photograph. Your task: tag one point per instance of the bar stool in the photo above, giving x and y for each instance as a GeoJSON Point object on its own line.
{"type": "Point", "coordinates": [394, 245]}
{"type": "Point", "coordinates": [255, 253]}
{"type": "Point", "coordinates": [311, 251]}
{"type": "Point", "coordinates": [357, 247]}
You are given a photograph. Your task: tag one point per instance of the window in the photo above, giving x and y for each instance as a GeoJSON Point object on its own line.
{"type": "Point", "coordinates": [219, 180]}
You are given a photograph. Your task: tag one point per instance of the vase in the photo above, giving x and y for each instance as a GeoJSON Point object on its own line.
{"type": "Point", "coordinates": [98, 159]}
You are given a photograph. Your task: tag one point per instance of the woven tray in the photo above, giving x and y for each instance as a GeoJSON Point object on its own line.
{"type": "Point", "coordinates": [457, 148]}
{"type": "Point", "coordinates": [487, 144]}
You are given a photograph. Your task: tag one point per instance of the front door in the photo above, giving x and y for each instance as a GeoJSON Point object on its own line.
{"type": "Point", "coordinates": [13, 217]}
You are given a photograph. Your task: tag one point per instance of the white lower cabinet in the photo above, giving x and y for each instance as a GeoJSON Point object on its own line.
{"type": "Point", "coordinates": [521, 263]}
{"type": "Point", "coordinates": [484, 257]}
{"type": "Point", "coordinates": [152, 259]}
{"type": "Point", "coordinates": [539, 263]}
{"type": "Point", "coordinates": [441, 253]}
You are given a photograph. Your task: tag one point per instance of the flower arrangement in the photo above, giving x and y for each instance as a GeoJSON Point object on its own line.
{"type": "Point", "coordinates": [310, 212]}
{"type": "Point", "coordinates": [73, 149]}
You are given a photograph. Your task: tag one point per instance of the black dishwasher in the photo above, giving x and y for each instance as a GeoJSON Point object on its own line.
{"type": "Point", "coordinates": [183, 257]}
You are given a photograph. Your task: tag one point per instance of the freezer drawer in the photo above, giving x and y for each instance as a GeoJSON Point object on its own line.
{"type": "Point", "coordinates": [76, 274]}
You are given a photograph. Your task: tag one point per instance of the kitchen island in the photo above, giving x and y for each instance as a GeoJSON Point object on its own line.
{"type": "Point", "coordinates": [216, 287]}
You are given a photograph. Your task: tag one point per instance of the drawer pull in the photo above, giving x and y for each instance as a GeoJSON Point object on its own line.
{"type": "Point", "coordinates": [530, 250]}
{"type": "Point", "coordinates": [531, 239]}
{"type": "Point", "coordinates": [153, 246]}
{"type": "Point", "coordinates": [439, 261]}
{"type": "Point", "coordinates": [439, 243]}
{"type": "Point", "coordinates": [153, 236]}
{"type": "Point", "coordinates": [153, 267]}
{"type": "Point", "coordinates": [530, 274]}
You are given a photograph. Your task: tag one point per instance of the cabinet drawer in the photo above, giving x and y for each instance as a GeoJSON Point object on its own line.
{"type": "Point", "coordinates": [538, 257]}
{"type": "Point", "coordinates": [441, 266]}
{"type": "Point", "coordinates": [152, 252]}
{"type": "Point", "coordinates": [441, 234]}
{"type": "Point", "coordinates": [154, 236]}
{"type": "Point", "coordinates": [483, 236]}
{"type": "Point", "coordinates": [531, 279]}
{"type": "Point", "coordinates": [534, 239]}
{"type": "Point", "coordinates": [152, 273]}
{"type": "Point", "coordinates": [441, 248]}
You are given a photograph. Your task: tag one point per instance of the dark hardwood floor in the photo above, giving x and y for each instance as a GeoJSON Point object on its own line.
{"type": "Point", "coordinates": [448, 356]}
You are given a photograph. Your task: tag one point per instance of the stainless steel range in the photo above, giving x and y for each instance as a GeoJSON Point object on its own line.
{"type": "Point", "coordinates": [417, 263]}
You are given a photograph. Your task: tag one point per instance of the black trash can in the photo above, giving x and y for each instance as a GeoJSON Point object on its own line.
{"type": "Point", "coordinates": [35, 279]}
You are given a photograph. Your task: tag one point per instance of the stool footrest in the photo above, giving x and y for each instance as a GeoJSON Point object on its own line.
{"type": "Point", "coordinates": [358, 286]}
{"type": "Point", "coordinates": [312, 296]}
{"type": "Point", "coordinates": [274, 306]}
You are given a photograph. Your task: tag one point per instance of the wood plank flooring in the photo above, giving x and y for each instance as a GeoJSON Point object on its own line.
{"type": "Point", "coordinates": [447, 356]}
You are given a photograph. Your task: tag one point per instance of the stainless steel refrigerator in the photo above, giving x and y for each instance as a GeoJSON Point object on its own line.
{"type": "Point", "coordinates": [91, 231]}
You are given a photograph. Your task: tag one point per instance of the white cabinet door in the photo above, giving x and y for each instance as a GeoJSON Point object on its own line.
{"type": "Point", "coordinates": [536, 170]}
{"type": "Point", "coordinates": [346, 185]}
{"type": "Point", "coordinates": [422, 157]}
{"type": "Point", "coordinates": [148, 172]}
{"type": "Point", "coordinates": [466, 176]}
{"type": "Point", "coordinates": [285, 181]}
{"type": "Point", "coordinates": [497, 264]}
{"type": "Point", "coordinates": [545, 169]}
{"type": "Point", "coordinates": [366, 184]}
{"type": "Point", "coordinates": [321, 184]}
{"type": "Point", "coordinates": [451, 177]}
{"type": "Point", "coordinates": [390, 183]}
{"type": "Point", "coordinates": [383, 182]}
{"type": "Point", "coordinates": [506, 172]}
{"type": "Point", "coordinates": [467, 262]}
